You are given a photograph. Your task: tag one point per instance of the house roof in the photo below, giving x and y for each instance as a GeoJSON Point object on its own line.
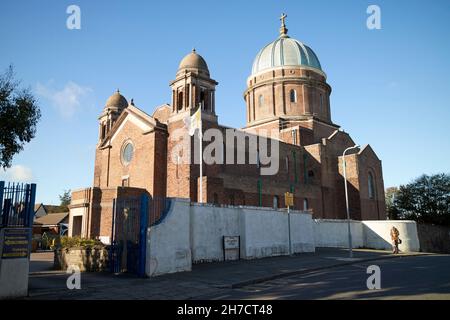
{"type": "Point", "coordinates": [49, 208]}
{"type": "Point", "coordinates": [53, 209]}
{"type": "Point", "coordinates": [51, 219]}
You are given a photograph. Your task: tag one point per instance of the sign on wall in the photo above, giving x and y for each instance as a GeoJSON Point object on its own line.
{"type": "Point", "coordinates": [289, 199]}
{"type": "Point", "coordinates": [231, 248]}
{"type": "Point", "coordinates": [16, 243]}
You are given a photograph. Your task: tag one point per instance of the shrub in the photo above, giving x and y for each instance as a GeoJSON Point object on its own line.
{"type": "Point", "coordinates": [77, 242]}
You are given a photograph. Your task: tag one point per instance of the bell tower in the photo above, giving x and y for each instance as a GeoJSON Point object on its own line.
{"type": "Point", "coordinates": [192, 87]}
{"type": "Point", "coordinates": [112, 110]}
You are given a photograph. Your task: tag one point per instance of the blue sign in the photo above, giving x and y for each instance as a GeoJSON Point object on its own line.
{"type": "Point", "coordinates": [16, 243]}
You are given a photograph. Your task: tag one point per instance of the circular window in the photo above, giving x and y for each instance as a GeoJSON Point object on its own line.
{"type": "Point", "coordinates": [127, 153]}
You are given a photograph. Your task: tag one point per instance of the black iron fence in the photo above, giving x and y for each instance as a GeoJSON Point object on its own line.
{"type": "Point", "coordinates": [17, 204]}
{"type": "Point", "coordinates": [157, 209]}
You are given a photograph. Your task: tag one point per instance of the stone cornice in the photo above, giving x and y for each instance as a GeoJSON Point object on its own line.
{"type": "Point", "coordinates": [195, 76]}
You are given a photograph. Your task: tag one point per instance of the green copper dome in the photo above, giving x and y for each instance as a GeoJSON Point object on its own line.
{"type": "Point", "coordinates": [285, 51]}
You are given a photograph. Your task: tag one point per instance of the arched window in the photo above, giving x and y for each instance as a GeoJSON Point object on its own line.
{"type": "Point", "coordinates": [180, 100]}
{"type": "Point", "coordinates": [260, 100]}
{"type": "Point", "coordinates": [305, 204]}
{"type": "Point", "coordinates": [202, 99]}
{"type": "Point", "coordinates": [103, 131]}
{"type": "Point", "coordinates": [275, 202]}
{"type": "Point", "coordinates": [127, 153]}
{"type": "Point", "coordinates": [293, 95]}
{"type": "Point", "coordinates": [287, 164]}
{"type": "Point", "coordinates": [188, 97]}
{"type": "Point", "coordinates": [371, 185]}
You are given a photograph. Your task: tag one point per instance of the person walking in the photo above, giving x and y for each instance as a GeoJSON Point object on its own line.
{"type": "Point", "coordinates": [395, 236]}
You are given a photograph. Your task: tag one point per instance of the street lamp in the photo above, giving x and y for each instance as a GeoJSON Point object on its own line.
{"type": "Point", "coordinates": [346, 200]}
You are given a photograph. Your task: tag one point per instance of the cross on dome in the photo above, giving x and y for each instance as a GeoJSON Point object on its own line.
{"type": "Point", "coordinates": [283, 29]}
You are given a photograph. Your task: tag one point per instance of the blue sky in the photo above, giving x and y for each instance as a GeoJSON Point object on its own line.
{"type": "Point", "coordinates": [390, 86]}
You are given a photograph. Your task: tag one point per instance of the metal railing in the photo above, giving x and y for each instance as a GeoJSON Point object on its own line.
{"type": "Point", "coordinates": [17, 204]}
{"type": "Point", "coordinates": [131, 217]}
{"type": "Point", "coordinates": [158, 208]}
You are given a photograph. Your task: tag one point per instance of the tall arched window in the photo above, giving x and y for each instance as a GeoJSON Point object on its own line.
{"type": "Point", "coordinates": [180, 100]}
{"type": "Point", "coordinates": [293, 95]}
{"type": "Point", "coordinates": [202, 99]}
{"type": "Point", "coordinates": [103, 131]}
{"type": "Point", "coordinates": [371, 186]}
{"type": "Point", "coordinates": [305, 204]}
{"type": "Point", "coordinates": [260, 100]}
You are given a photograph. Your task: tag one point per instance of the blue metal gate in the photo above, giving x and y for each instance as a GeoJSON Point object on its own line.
{"type": "Point", "coordinates": [131, 218]}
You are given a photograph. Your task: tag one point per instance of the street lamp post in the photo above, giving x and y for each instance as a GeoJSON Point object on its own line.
{"type": "Point", "coordinates": [346, 200]}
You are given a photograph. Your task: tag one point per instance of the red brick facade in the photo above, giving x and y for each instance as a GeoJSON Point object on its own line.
{"type": "Point", "coordinates": [294, 101]}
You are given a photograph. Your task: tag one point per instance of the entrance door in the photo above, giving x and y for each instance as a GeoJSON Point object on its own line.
{"type": "Point", "coordinates": [77, 222]}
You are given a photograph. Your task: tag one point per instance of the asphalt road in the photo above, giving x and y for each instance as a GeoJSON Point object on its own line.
{"type": "Point", "coordinates": [421, 277]}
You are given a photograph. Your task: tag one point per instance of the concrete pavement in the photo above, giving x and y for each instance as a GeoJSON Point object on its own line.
{"type": "Point", "coordinates": [209, 279]}
{"type": "Point", "coordinates": [41, 261]}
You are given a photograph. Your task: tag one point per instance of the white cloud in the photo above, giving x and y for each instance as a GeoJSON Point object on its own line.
{"type": "Point", "coordinates": [17, 173]}
{"type": "Point", "coordinates": [67, 100]}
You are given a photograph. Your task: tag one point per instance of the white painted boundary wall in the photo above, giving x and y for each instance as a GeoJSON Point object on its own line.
{"type": "Point", "coordinates": [265, 232]}
{"type": "Point", "coordinates": [194, 233]}
{"type": "Point", "coordinates": [373, 234]}
{"type": "Point", "coordinates": [334, 233]}
{"type": "Point", "coordinates": [377, 234]}
{"type": "Point", "coordinates": [168, 243]}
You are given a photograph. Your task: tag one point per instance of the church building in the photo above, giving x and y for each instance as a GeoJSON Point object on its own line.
{"type": "Point", "coordinates": [287, 91]}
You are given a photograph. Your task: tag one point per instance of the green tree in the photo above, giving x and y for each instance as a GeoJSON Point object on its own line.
{"type": "Point", "coordinates": [19, 115]}
{"type": "Point", "coordinates": [426, 199]}
{"type": "Point", "coordinates": [390, 195]}
{"type": "Point", "coordinates": [65, 199]}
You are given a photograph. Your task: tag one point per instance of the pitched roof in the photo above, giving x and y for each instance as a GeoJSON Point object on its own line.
{"type": "Point", "coordinates": [51, 219]}
{"type": "Point", "coordinates": [146, 122]}
{"type": "Point", "coordinates": [53, 209]}
{"type": "Point", "coordinates": [368, 150]}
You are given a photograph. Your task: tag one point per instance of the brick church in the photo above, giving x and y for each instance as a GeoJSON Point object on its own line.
{"type": "Point", "coordinates": [286, 91]}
